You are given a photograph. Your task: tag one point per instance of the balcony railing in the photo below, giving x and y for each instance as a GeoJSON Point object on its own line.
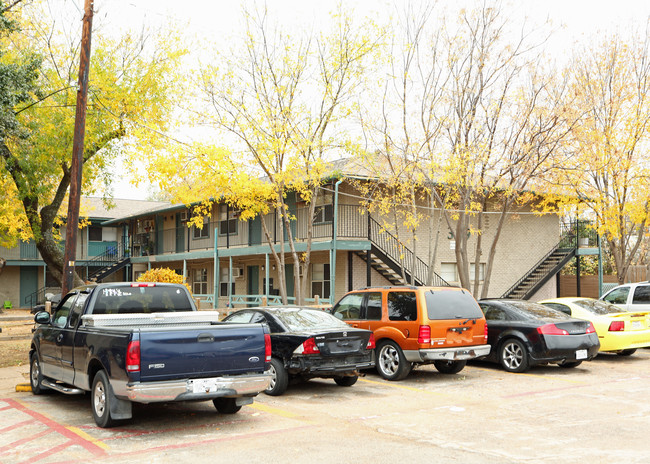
{"type": "Point", "coordinates": [352, 223]}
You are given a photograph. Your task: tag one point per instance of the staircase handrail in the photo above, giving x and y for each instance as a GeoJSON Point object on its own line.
{"type": "Point", "coordinates": [391, 246]}
{"type": "Point", "coordinates": [111, 256]}
{"type": "Point", "coordinates": [556, 248]}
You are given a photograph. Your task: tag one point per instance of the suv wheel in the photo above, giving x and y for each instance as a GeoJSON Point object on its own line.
{"type": "Point", "coordinates": [391, 363]}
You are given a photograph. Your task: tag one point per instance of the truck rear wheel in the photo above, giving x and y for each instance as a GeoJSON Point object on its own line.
{"type": "Point", "coordinates": [226, 405]}
{"type": "Point", "coordinates": [100, 400]}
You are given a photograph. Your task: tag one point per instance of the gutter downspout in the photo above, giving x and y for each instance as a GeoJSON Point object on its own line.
{"type": "Point", "coordinates": [335, 224]}
{"type": "Point", "coordinates": [215, 277]}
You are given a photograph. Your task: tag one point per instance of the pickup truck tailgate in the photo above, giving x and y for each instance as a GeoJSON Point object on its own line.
{"type": "Point", "coordinates": [202, 351]}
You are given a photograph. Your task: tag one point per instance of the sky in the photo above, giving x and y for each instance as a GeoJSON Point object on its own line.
{"type": "Point", "coordinates": [217, 21]}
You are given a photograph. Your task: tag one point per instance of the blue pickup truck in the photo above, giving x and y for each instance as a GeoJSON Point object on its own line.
{"type": "Point", "coordinates": [146, 343]}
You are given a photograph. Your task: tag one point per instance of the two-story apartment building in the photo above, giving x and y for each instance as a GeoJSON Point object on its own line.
{"type": "Point", "coordinates": [228, 262]}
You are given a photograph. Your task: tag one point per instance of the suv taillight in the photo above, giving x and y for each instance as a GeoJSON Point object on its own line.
{"type": "Point", "coordinates": [267, 348]}
{"type": "Point", "coordinates": [617, 326]}
{"type": "Point", "coordinates": [424, 335]}
{"type": "Point", "coordinates": [485, 333]}
{"type": "Point", "coordinates": [371, 342]}
{"type": "Point", "coordinates": [307, 347]}
{"type": "Point", "coordinates": [133, 356]}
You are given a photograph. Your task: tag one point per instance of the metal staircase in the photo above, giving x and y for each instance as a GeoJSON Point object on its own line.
{"type": "Point", "coordinates": [545, 268]}
{"type": "Point", "coordinates": [109, 262]}
{"type": "Point", "coordinates": [388, 255]}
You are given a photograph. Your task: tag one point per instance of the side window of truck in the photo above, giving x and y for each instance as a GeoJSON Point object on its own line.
{"type": "Point", "coordinates": [402, 306]}
{"type": "Point", "coordinates": [641, 295]}
{"type": "Point", "coordinates": [62, 312]}
{"type": "Point", "coordinates": [349, 308]}
{"type": "Point", "coordinates": [77, 309]}
{"type": "Point", "coordinates": [618, 296]}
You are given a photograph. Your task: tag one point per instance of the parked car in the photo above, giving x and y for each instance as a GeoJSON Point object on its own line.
{"type": "Point", "coordinates": [146, 343]}
{"type": "Point", "coordinates": [417, 325]}
{"type": "Point", "coordinates": [524, 334]}
{"type": "Point", "coordinates": [310, 343]}
{"type": "Point", "coordinates": [630, 297]}
{"type": "Point", "coordinates": [619, 331]}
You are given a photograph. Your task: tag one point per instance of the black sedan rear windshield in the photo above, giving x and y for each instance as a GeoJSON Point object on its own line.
{"type": "Point", "coordinates": [451, 304]}
{"type": "Point", "coordinates": [296, 320]}
{"type": "Point", "coordinates": [534, 311]}
{"type": "Point", "coordinates": [599, 308]}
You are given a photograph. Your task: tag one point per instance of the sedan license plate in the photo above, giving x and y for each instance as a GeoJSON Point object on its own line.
{"type": "Point", "coordinates": [637, 325]}
{"type": "Point", "coordinates": [581, 354]}
{"type": "Point", "coordinates": [204, 385]}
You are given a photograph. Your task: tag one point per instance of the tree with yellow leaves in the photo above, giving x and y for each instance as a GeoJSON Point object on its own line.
{"type": "Point", "coordinates": [279, 99]}
{"type": "Point", "coordinates": [607, 166]}
{"type": "Point", "coordinates": [131, 83]}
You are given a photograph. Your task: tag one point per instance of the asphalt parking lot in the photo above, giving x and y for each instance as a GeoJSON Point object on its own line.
{"type": "Point", "coordinates": [598, 412]}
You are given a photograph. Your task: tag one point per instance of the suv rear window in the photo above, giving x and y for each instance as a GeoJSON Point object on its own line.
{"type": "Point", "coordinates": [451, 304]}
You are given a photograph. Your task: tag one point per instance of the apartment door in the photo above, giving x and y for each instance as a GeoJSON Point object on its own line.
{"type": "Point", "coordinates": [28, 283]}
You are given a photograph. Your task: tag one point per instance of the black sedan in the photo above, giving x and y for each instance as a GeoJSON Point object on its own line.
{"type": "Point", "coordinates": [524, 334]}
{"type": "Point", "coordinates": [310, 343]}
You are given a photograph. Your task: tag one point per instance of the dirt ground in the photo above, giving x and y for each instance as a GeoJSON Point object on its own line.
{"type": "Point", "coordinates": [15, 337]}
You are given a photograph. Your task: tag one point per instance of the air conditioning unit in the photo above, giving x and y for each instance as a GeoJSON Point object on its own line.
{"type": "Point", "coordinates": [237, 272]}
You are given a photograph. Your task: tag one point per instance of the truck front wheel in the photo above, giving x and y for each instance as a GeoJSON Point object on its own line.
{"type": "Point", "coordinates": [36, 375]}
{"type": "Point", "coordinates": [100, 400]}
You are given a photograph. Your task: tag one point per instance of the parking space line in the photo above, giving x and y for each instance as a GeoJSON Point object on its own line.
{"type": "Point", "coordinates": [19, 424]}
{"type": "Point", "coordinates": [155, 449]}
{"type": "Point", "coordinates": [538, 376]}
{"type": "Point", "coordinates": [91, 446]}
{"type": "Point", "coordinates": [87, 437]}
{"type": "Point", "coordinates": [274, 411]}
{"type": "Point", "coordinates": [48, 453]}
{"type": "Point", "coordinates": [22, 441]}
{"type": "Point", "coordinates": [405, 387]}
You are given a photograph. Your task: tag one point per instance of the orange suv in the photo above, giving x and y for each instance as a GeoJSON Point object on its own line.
{"type": "Point", "coordinates": [418, 325]}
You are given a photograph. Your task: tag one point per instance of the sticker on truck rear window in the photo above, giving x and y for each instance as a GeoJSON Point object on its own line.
{"type": "Point", "coordinates": [115, 292]}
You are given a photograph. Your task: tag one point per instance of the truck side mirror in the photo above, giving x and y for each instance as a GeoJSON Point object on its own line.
{"type": "Point", "coordinates": [42, 317]}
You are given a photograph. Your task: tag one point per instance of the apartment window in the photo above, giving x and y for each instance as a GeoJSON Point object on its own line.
{"type": "Point", "coordinates": [320, 280]}
{"type": "Point", "coordinates": [323, 214]}
{"type": "Point", "coordinates": [200, 281]}
{"type": "Point", "coordinates": [449, 272]}
{"type": "Point", "coordinates": [94, 234]}
{"type": "Point", "coordinates": [204, 232]}
{"type": "Point", "coordinates": [227, 220]}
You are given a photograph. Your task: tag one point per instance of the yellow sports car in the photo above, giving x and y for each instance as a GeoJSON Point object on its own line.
{"type": "Point", "coordinates": [618, 330]}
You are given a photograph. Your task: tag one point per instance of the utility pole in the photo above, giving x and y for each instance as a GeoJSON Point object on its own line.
{"type": "Point", "coordinates": [76, 167]}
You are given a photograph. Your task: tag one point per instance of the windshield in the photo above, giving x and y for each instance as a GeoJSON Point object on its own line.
{"type": "Point", "coordinates": [451, 304]}
{"type": "Point", "coordinates": [599, 308]}
{"type": "Point", "coordinates": [296, 320]}
{"type": "Point", "coordinates": [139, 300]}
